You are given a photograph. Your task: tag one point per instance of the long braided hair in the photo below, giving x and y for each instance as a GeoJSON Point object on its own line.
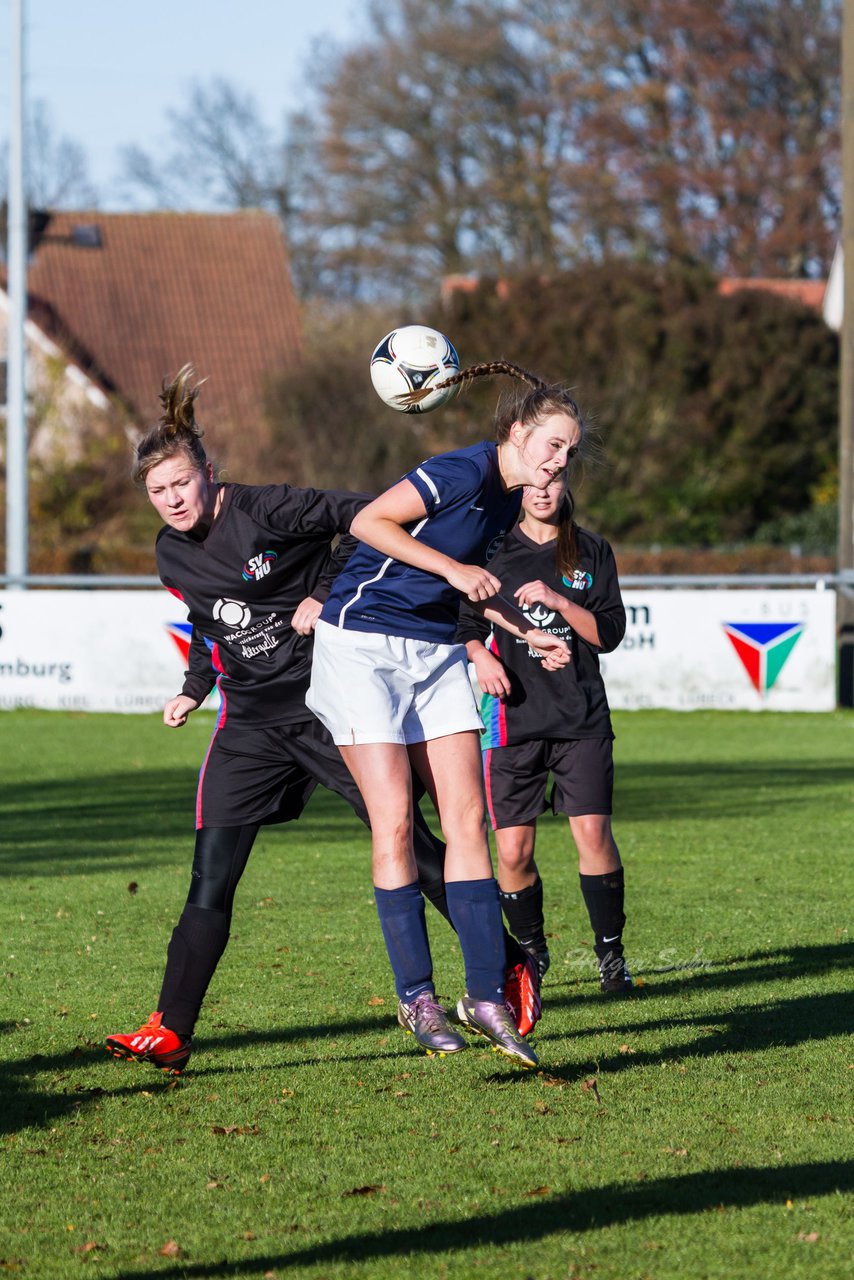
{"type": "Point", "coordinates": [528, 407]}
{"type": "Point", "coordinates": [176, 431]}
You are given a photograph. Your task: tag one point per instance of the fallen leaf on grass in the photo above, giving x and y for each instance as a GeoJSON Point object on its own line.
{"type": "Point", "coordinates": [375, 1000]}
{"type": "Point", "coordinates": [675, 1151]}
{"type": "Point", "coordinates": [171, 1249]}
{"type": "Point", "coordinates": [808, 1237]}
{"type": "Point", "coordinates": [542, 1107]}
{"type": "Point", "coordinates": [238, 1130]}
{"type": "Point", "coordinates": [89, 1247]}
{"type": "Point", "coordinates": [370, 1190]}
{"type": "Point", "coordinates": [551, 1082]}
{"type": "Point", "coordinates": [624, 1048]}
{"type": "Point", "coordinates": [591, 1086]}
{"type": "Point", "coordinates": [247, 1235]}
{"type": "Point", "coordinates": [538, 1191]}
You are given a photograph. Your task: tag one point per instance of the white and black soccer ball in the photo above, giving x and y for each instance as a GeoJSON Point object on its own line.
{"type": "Point", "coordinates": [410, 359]}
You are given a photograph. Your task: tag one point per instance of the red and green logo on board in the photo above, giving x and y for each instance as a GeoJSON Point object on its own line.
{"type": "Point", "coordinates": [764, 648]}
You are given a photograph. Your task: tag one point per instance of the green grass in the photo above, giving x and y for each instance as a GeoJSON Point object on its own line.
{"type": "Point", "coordinates": [702, 1129]}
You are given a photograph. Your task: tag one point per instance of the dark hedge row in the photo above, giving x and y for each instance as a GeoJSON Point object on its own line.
{"type": "Point", "coordinates": [712, 416]}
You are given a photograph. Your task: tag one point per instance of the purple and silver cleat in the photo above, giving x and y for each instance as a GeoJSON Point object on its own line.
{"type": "Point", "coordinates": [494, 1022]}
{"type": "Point", "coordinates": [428, 1021]}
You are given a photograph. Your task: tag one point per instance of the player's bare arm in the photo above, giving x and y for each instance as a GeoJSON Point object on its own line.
{"type": "Point", "coordinates": [582, 621]}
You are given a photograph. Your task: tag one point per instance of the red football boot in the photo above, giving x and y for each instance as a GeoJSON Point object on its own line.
{"type": "Point", "coordinates": [522, 995]}
{"type": "Point", "coordinates": [153, 1043]}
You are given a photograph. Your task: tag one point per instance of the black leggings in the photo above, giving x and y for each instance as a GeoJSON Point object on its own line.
{"type": "Point", "coordinates": [201, 935]}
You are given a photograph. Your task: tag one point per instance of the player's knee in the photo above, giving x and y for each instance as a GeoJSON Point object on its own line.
{"type": "Point", "coordinates": [515, 859]}
{"type": "Point", "coordinates": [594, 829]}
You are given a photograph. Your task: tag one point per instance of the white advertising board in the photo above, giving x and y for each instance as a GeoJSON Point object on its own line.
{"type": "Point", "coordinates": [126, 650]}
{"type": "Point", "coordinates": [91, 650]}
{"type": "Point", "coordinates": [744, 650]}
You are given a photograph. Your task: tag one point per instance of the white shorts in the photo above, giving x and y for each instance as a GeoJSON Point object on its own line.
{"type": "Point", "coordinates": [367, 687]}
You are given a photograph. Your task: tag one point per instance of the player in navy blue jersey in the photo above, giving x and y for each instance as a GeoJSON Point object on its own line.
{"type": "Point", "coordinates": [253, 564]}
{"type": "Point", "coordinates": [536, 724]}
{"type": "Point", "coordinates": [391, 683]}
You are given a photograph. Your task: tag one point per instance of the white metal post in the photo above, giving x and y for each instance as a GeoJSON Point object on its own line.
{"type": "Point", "coordinates": [16, 261]}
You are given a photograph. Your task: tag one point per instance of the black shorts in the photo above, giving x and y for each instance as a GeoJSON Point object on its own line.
{"type": "Point", "coordinates": [517, 776]}
{"type": "Point", "coordinates": [263, 775]}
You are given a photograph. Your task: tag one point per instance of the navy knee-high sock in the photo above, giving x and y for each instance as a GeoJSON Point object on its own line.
{"type": "Point", "coordinates": [476, 916]}
{"type": "Point", "coordinates": [401, 913]}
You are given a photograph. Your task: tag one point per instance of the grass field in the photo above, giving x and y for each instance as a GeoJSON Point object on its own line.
{"type": "Point", "coordinates": [703, 1128]}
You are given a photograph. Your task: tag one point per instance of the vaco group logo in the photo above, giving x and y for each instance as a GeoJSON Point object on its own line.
{"type": "Point", "coordinates": [764, 648]}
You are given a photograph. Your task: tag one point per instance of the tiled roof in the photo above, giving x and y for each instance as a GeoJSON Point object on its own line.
{"type": "Point", "coordinates": [159, 290]}
{"type": "Point", "coordinates": [808, 292]}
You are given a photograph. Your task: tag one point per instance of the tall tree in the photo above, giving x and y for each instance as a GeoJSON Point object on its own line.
{"type": "Point", "coordinates": [715, 131]}
{"type": "Point", "coordinates": [508, 136]}
{"type": "Point", "coordinates": [222, 153]}
{"type": "Point", "coordinates": [57, 169]}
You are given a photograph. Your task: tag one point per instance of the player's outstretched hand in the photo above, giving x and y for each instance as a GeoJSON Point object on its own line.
{"type": "Point", "coordinates": [555, 651]}
{"type": "Point", "coordinates": [492, 675]}
{"type": "Point", "coordinates": [177, 709]}
{"type": "Point", "coordinates": [531, 593]}
{"type": "Point", "coordinates": [305, 616]}
{"type": "Point", "coordinates": [473, 581]}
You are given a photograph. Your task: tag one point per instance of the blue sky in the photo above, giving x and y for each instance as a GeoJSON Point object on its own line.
{"type": "Point", "coordinates": [109, 70]}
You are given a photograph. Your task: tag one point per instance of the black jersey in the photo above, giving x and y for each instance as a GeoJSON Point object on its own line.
{"type": "Point", "coordinates": [571, 702]}
{"type": "Point", "coordinates": [269, 548]}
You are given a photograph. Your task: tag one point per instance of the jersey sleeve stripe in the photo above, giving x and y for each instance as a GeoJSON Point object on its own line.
{"type": "Point", "coordinates": [429, 483]}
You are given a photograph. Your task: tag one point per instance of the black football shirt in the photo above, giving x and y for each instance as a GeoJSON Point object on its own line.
{"type": "Point", "coordinates": [565, 704]}
{"type": "Point", "coordinates": [269, 548]}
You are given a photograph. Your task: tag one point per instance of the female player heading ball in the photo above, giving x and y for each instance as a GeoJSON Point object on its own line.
{"type": "Point", "coordinates": [391, 684]}
{"type": "Point", "coordinates": [540, 723]}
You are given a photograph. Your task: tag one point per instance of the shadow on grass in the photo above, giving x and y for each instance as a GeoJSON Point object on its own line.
{"type": "Point", "coordinates": [591, 1209]}
{"type": "Point", "coordinates": [700, 974]}
{"type": "Point", "coordinates": [97, 820]}
{"type": "Point", "coordinates": [715, 790]}
{"type": "Point", "coordinates": [97, 825]}
{"type": "Point", "coordinates": [749, 1029]}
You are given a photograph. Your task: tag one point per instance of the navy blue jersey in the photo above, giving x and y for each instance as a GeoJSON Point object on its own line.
{"type": "Point", "coordinates": [469, 511]}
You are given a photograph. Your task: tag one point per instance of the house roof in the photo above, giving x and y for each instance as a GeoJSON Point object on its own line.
{"type": "Point", "coordinates": [808, 292]}
{"type": "Point", "coordinates": [132, 297]}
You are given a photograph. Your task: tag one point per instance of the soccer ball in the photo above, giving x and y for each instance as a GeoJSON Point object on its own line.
{"type": "Point", "coordinates": [410, 359]}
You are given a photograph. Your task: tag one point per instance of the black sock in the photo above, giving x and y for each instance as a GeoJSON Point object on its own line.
{"type": "Point", "coordinates": [198, 940]}
{"type": "Point", "coordinates": [434, 892]}
{"type": "Point", "coordinates": [603, 897]}
{"type": "Point", "coordinates": [523, 911]}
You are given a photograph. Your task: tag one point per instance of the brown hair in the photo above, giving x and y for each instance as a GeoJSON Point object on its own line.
{"type": "Point", "coordinates": [528, 407]}
{"type": "Point", "coordinates": [566, 548]}
{"type": "Point", "coordinates": [177, 430]}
